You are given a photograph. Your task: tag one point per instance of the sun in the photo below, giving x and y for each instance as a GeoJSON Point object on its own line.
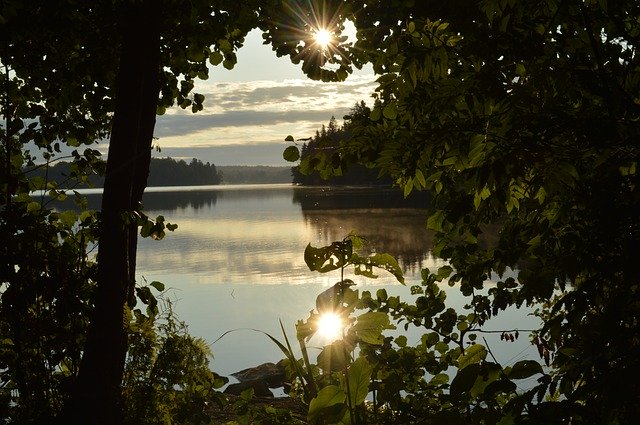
{"type": "Point", "coordinates": [323, 37]}
{"type": "Point", "coordinates": [330, 326]}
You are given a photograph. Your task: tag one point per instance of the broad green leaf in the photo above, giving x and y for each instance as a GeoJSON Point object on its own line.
{"type": "Point", "coordinates": [464, 379]}
{"type": "Point", "coordinates": [215, 58]}
{"type": "Point", "coordinates": [525, 369]}
{"type": "Point", "coordinates": [444, 272]}
{"type": "Point", "coordinates": [158, 285]}
{"type": "Point", "coordinates": [33, 206]}
{"type": "Point", "coordinates": [369, 327]}
{"type": "Point", "coordinates": [408, 187]}
{"type": "Point", "coordinates": [334, 357]}
{"type": "Point", "coordinates": [382, 261]}
{"type": "Point", "coordinates": [68, 218]}
{"type": "Point", "coordinates": [390, 111]}
{"type": "Point", "coordinates": [291, 154]}
{"type": "Point", "coordinates": [327, 397]}
{"type": "Point", "coordinates": [420, 179]}
{"type": "Point", "coordinates": [289, 138]}
{"type": "Point", "coordinates": [328, 258]}
{"type": "Point", "coordinates": [435, 220]}
{"type": "Point", "coordinates": [439, 379]}
{"type": "Point", "coordinates": [359, 380]}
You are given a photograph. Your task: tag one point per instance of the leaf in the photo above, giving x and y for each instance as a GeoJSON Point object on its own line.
{"type": "Point", "coordinates": [291, 154]}
{"type": "Point", "coordinates": [328, 258]}
{"type": "Point", "coordinates": [215, 58]}
{"type": "Point", "coordinates": [408, 187]}
{"type": "Point", "coordinates": [464, 380]}
{"type": "Point", "coordinates": [473, 354]}
{"type": "Point", "coordinates": [159, 286]}
{"type": "Point", "coordinates": [198, 98]}
{"type": "Point", "coordinates": [369, 326]}
{"type": "Point", "coordinates": [439, 379]}
{"type": "Point", "coordinates": [525, 369]}
{"type": "Point", "coordinates": [359, 379]}
{"type": "Point", "coordinates": [444, 272]}
{"type": "Point", "coordinates": [68, 218]}
{"type": "Point", "coordinates": [390, 112]}
{"type": "Point", "coordinates": [289, 138]}
{"type": "Point", "coordinates": [33, 206]}
{"type": "Point", "coordinates": [421, 180]}
{"type": "Point", "coordinates": [334, 357]}
{"type": "Point", "coordinates": [327, 397]}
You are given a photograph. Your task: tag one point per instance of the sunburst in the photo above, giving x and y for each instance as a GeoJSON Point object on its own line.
{"type": "Point", "coordinates": [323, 38]}
{"type": "Point", "coordinates": [330, 326]}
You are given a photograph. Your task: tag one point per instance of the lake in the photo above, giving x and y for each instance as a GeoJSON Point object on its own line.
{"type": "Point", "coordinates": [236, 260]}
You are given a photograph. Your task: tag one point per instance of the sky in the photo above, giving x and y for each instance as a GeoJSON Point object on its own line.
{"type": "Point", "coordinates": [251, 109]}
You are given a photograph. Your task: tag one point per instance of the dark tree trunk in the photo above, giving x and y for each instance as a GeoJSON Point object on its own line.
{"type": "Point", "coordinates": [96, 398]}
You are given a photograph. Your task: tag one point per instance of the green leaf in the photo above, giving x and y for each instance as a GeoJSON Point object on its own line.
{"type": "Point", "coordinates": [439, 379]}
{"type": "Point", "coordinates": [328, 258]}
{"type": "Point", "coordinates": [444, 272]}
{"type": "Point", "coordinates": [369, 327]}
{"type": "Point", "coordinates": [334, 357]}
{"type": "Point", "coordinates": [198, 98]}
{"type": "Point", "coordinates": [225, 46]}
{"type": "Point", "coordinates": [33, 206]}
{"type": "Point", "coordinates": [464, 379]}
{"type": "Point", "coordinates": [327, 397]}
{"type": "Point", "coordinates": [525, 369]}
{"type": "Point", "coordinates": [289, 138]}
{"type": "Point", "coordinates": [390, 111]}
{"type": "Point", "coordinates": [291, 154]}
{"type": "Point", "coordinates": [420, 179]}
{"type": "Point", "coordinates": [215, 58]}
{"type": "Point", "coordinates": [359, 379]}
{"type": "Point", "coordinates": [68, 218]}
{"type": "Point", "coordinates": [159, 286]}
{"type": "Point", "coordinates": [408, 187]}
{"type": "Point", "coordinates": [382, 261]}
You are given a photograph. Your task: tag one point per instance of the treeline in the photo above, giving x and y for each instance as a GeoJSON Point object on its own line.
{"type": "Point", "coordinates": [327, 140]}
{"type": "Point", "coordinates": [169, 172]}
{"type": "Point", "coordinates": [162, 172]}
{"type": "Point", "coordinates": [254, 174]}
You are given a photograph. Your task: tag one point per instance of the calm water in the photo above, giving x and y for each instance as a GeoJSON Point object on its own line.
{"type": "Point", "coordinates": [236, 260]}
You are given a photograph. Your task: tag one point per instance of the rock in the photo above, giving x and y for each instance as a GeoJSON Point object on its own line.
{"type": "Point", "coordinates": [272, 374]}
{"type": "Point", "coordinates": [260, 388]}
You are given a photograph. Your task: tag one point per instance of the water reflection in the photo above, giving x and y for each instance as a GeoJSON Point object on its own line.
{"type": "Point", "coordinates": [236, 260]}
{"type": "Point", "coordinates": [258, 234]}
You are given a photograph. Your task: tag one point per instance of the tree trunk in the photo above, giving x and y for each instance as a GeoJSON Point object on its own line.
{"type": "Point", "coordinates": [96, 398]}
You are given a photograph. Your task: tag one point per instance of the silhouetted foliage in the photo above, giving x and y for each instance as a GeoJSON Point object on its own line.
{"type": "Point", "coordinates": [323, 146]}
{"type": "Point", "coordinates": [162, 172]}
{"type": "Point", "coordinates": [169, 172]}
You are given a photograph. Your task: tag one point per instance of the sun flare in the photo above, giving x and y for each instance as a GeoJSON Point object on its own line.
{"type": "Point", "coordinates": [323, 37]}
{"type": "Point", "coordinates": [330, 326]}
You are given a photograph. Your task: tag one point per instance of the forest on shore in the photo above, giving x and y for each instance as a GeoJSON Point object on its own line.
{"type": "Point", "coordinates": [174, 172]}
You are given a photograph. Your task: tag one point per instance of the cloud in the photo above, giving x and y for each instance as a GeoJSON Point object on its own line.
{"type": "Point", "coordinates": [254, 112]}
{"type": "Point", "coordinates": [184, 125]}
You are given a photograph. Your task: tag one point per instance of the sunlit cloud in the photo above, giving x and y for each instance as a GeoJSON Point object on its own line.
{"type": "Point", "coordinates": [260, 111]}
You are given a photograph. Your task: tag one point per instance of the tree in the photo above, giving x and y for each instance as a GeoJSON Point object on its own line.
{"type": "Point", "coordinates": [76, 73]}
{"type": "Point", "coordinates": [522, 116]}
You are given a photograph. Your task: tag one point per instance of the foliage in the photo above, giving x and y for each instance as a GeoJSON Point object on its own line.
{"type": "Point", "coordinates": [162, 172]}
{"type": "Point", "coordinates": [522, 116]}
{"type": "Point", "coordinates": [320, 152]}
{"type": "Point", "coordinates": [75, 73]}
{"type": "Point", "coordinates": [254, 174]}
{"type": "Point", "coordinates": [371, 376]}
{"type": "Point", "coordinates": [167, 376]}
